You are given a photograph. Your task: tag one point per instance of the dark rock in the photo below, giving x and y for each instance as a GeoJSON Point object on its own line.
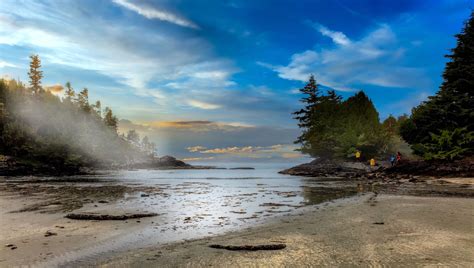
{"type": "Point", "coordinates": [250, 247]}
{"type": "Point", "coordinates": [169, 161]}
{"type": "Point", "coordinates": [49, 233]}
{"type": "Point", "coordinates": [107, 217]}
{"type": "Point", "coordinates": [328, 168]}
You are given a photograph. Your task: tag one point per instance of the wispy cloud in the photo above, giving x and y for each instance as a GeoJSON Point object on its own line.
{"type": "Point", "coordinates": [154, 13]}
{"type": "Point", "coordinates": [200, 126]}
{"type": "Point", "coordinates": [190, 159]}
{"type": "Point", "coordinates": [203, 105]}
{"type": "Point", "coordinates": [4, 64]}
{"type": "Point", "coordinates": [337, 37]}
{"type": "Point", "coordinates": [183, 67]}
{"type": "Point", "coordinates": [375, 59]}
{"type": "Point", "coordinates": [230, 150]}
{"type": "Point", "coordinates": [194, 149]}
{"type": "Point", "coordinates": [277, 150]}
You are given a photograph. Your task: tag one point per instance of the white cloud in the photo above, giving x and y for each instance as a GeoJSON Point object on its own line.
{"type": "Point", "coordinates": [194, 149]}
{"type": "Point", "coordinates": [203, 105]}
{"type": "Point", "coordinates": [153, 13]}
{"type": "Point", "coordinates": [337, 37]}
{"type": "Point", "coordinates": [180, 67]}
{"type": "Point", "coordinates": [375, 59]}
{"type": "Point", "coordinates": [4, 64]}
{"type": "Point", "coordinates": [277, 150]}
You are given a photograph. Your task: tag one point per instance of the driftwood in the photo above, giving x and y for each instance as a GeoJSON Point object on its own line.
{"type": "Point", "coordinates": [107, 217]}
{"type": "Point", "coordinates": [250, 247]}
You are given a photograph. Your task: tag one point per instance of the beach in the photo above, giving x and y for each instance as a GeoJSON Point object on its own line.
{"type": "Point", "coordinates": [386, 230]}
{"type": "Point", "coordinates": [323, 221]}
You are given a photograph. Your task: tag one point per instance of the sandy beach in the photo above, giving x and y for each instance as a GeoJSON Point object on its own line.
{"type": "Point", "coordinates": [427, 221]}
{"type": "Point", "coordinates": [385, 230]}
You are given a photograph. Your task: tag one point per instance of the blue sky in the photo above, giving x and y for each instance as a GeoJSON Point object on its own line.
{"type": "Point", "coordinates": [222, 75]}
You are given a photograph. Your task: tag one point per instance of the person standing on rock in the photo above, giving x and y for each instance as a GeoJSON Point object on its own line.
{"type": "Point", "coordinates": [372, 162]}
{"type": "Point", "coordinates": [392, 160]}
{"type": "Point", "coordinates": [357, 155]}
{"type": "Point", "coordinates": [399, 157]}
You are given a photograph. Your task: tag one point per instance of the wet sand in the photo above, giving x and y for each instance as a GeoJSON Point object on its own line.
{"type": "Point", "coordinates": [416, 230]}
{"type": "Point", "coordinates": [369, 230]}
{"type": "Point", "coordinates": [27, 233]}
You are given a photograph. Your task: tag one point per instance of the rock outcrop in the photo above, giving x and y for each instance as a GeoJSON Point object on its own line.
{"type": "Point", "coordinates": [329, 168]}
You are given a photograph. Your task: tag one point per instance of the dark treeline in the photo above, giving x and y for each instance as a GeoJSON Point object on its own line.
{"type": "Point", "coordinates": [333, 128]}
{"type": "Point", "coordinates": [39, 129]}
{"type": "Point", "coordinates": [441, 128]}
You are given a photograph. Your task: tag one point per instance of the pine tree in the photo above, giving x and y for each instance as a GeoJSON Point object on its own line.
{"type": "Point", "coordinates": [97, 109]}
{"type": "Point", "coordinates": [110, 119]}
{"type": "Point", "coordinates": [452, 106]}
{"type": "Point", "coordinates": [305, 115]}
{"type": "Point", "coordinates": [35, 74]}
{"type": "Point", "coordinates": [326, 126]}
{"type": "Point", "coordinates": [83, 100]}
{"type": "Point", "coordinates": [361, 127]}
{"type": "Point", "coordinates": [70, 95]}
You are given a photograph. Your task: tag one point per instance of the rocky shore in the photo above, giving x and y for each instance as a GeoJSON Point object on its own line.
{"type": "Point", "coordinates": [406, 168]}
{"type": "Point", "coordinates": [419, 178]}
{"type": "Point", "coordinates": [10, 166]}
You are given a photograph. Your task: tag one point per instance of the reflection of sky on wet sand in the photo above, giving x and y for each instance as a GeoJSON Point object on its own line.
{"type": "Point", "coordinates": [197, 203]}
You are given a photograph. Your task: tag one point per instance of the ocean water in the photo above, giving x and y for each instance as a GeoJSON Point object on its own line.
{"type": "Point", "coordinates": [197, 203]}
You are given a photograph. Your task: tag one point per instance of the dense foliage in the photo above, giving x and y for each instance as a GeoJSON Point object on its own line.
{"type": "Point", "coordinates": [443, 126]}
{"type": "Point", "coordinates": [333, 128]}
{"type": "Point", "coordinates": [39, 128]}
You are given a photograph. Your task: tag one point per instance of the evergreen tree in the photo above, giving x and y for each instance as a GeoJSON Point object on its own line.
{"type": "Point", "coordinates": [97, 109]}
{"type": "Point", "coordinates": [35, 74]}
{"type": "Point", "coordinates": [69, 93]}
{"type": "Point", "coordinates": [362, 129]}
{"type": "Point", "coordinates": [110, 119]}
{"type": "Point", "coordinates": [326, 126]}
{"type": "Point", "coordinates": [83, 100]}
{"type": "Point", "coordinates": [305, 115]}
{"type": "Point", "coordinates": [390, 125]}
{"type": "Point", "coordinates": [450, 112]}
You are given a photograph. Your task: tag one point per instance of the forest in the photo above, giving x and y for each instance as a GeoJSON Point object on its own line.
{"type": "Point", "coordinates": [43, 132]}
{"type": "Point", "coordinates": [441, 128]}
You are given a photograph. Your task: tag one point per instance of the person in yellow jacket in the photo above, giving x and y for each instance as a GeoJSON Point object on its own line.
{"type": "Point", "coordinates": [357, 155]}
{"type": "Point", "coordinates": [372, 162]}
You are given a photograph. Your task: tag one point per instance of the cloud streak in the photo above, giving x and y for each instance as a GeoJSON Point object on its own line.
{"type": "Point", "coordinates": [337, 37]}
{"type": "Point", "coordinates": [4, 64]}
{"type": "Point", "coordinates": [153, 13]}
{"type": "Point", "coordinates": [376, 59]}
{"type": "Point", "coordinates": [272, 151]}
{"type": "Point", "coordinates": [203, 105]}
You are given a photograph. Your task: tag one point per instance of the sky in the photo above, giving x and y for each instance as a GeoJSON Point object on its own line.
{"type": "Point", "coordinates": [218, 79]}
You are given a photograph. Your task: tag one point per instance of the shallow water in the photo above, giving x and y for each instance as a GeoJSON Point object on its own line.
{"type": "Point", "coordinates": [198, 203]}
